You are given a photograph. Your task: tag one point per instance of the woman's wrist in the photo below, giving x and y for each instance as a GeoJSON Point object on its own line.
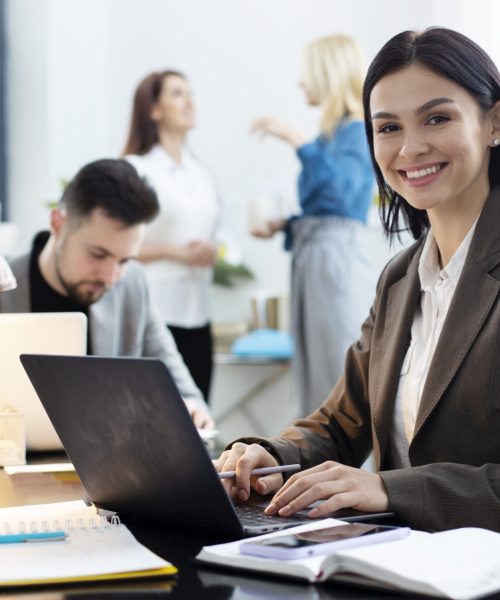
{"type": "Point", "coordinates": [176, 253]}
{"type": "Point", "coordinates": [297, 139]}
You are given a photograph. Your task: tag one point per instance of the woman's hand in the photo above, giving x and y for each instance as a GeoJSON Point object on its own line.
{"type": "Point", "coordinates": [337, 485]}
{"type": "Point", "coordinates": [199, 254]}
{"type": "Point", "coordinates": [195, 254]}
{"type": "Point", "coordinates": [280, 129]}
{"type": "Point", "coordinates": [271, 228]}
{"type": "Point", "coordinates": [242, 458]}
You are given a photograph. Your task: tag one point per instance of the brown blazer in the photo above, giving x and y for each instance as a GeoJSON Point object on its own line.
{"type": "Point", "coordinates": [454, 480]}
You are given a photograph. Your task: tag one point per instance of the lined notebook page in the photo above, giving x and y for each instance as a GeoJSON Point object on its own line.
{"type": "Point", "coordinates": [89, 552]}
{"type": "Point", "coordinates": [75, 509]}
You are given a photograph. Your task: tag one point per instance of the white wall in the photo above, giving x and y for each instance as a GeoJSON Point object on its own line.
{"type": "Point", "coordinates": [73, 64]}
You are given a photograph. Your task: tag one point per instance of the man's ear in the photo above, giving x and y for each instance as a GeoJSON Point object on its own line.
{"type": "Point", "coordinates": [57, 221]}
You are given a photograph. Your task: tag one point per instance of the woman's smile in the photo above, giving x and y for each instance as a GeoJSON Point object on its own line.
{"type": "Point", "coordinates": [422, 175]}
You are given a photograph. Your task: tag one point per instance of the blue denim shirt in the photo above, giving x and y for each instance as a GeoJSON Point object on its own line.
{"type": "Point", "coordinates": [337, 176]}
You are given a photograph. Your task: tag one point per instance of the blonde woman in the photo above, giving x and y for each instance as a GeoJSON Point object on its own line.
{"type": "Point", "coordinates": [332, 283]}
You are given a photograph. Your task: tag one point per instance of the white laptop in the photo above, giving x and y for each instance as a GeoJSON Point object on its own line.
{"type": "Point", "coordinates": [43, 333]}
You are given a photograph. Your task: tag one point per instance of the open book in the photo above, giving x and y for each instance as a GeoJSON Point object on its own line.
{"type": "Point", "coordinates": [92, 550]}
{"type": "Point", "coordinates": [460, 564]}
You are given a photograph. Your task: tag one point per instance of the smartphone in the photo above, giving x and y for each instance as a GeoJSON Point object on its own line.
{"type": "Point", "coordinates": [322, 541]}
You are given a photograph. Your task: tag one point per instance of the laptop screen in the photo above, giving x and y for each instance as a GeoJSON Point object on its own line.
{"type": "Point", "coordinates": [132, 441]}
{"type": "Point", "coordinates": [42, 333]}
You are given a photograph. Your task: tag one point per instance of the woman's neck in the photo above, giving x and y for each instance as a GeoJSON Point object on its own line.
{"type": "Point", "coordinates": [172, 143]}
{"type": "Point", "coordinates": [449, 230]}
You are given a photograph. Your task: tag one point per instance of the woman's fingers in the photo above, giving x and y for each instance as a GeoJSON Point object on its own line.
{"type": "Point", "coordinates": [302, 492]}
{"type": "Point", "coordinates": [242, 458]}
{"type": "Point", "coordinates": [262, 233]}
{"type": "Point", "coordinates": [336, 485]}
{"type": "Point", "coordinates": [267, 484]}
{"type": "Point", "coordinates": [227, 462]}
{"type": "Point", "coordinates": [336, 502]}
{"type": "Point", "coordinates": [268, 126]}
{"type": "Point", "coordinates": [255, 456]}
{"type": "Point", "coordinates": [304, 479]}
{"type": "Point", "coordinates": [259, 125]}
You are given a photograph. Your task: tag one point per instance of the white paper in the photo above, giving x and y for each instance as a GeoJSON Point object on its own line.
{"type": "Point", "coordinates": [87, 551]}
{"type": "Point", "coordinates": [43, 468]}
{"type": "Point", "coordinates": [460, 563]}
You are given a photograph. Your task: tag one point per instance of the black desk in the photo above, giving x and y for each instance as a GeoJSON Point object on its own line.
{"type": "Point", "coordinates": [200, 581]}
{"type": "Point", "coordinates": [194, 581]}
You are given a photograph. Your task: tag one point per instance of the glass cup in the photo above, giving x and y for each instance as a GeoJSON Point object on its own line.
{"type": "Point", "coordinates": [12, 437]}
{"type": "Point", "coordinates": [261, 211]}
{"type": "Point", "coordinates": [268, 310]}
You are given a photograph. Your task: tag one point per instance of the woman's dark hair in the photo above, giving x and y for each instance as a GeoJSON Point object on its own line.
{"type": "Point", "coordinates": [143, 133]}
{"type": "Point", "coordinates": [448, 54]}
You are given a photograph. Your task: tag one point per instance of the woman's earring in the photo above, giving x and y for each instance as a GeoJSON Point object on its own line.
{"type": "Point", "coordinates": [495, 142]}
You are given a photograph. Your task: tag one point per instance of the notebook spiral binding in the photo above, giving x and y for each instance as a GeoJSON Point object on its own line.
{"type": "Point", "coordinates": [91, 524]}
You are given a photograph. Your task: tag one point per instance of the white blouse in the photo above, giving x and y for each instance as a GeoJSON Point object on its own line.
{"type": "Point", "coordinates": [437, 287]}
{"type": "Point", "coordinates": [7, 279]}
{"type": "Point", "coordinates": [189, 211]}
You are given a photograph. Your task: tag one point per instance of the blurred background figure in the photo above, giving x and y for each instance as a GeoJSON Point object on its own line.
{"type": "Point", "coordinates": [180, 246]}
{"type": "Point", "coordinates": [7, 279]}
{"type": "Point", "coordinates": [332, 281]}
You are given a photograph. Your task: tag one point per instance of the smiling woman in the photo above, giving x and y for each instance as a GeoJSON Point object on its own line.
{"type": "Point", "coordinates": [430, 137]}
{"type": "Point", "coordinates": [453, 109]}
{"type": "Point", "coordinates": [421, 384]}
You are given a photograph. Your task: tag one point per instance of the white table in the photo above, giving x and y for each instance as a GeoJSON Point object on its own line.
{"type": "Point", "coordinates": [238, 384]}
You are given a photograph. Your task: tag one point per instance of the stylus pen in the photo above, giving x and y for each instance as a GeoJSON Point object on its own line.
{"type": "Point", "coordinates": [262, 471]}
{"type": "Point", "coordinates": [46, 536]}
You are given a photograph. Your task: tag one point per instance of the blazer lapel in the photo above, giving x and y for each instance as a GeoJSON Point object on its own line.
{"type": "Point", "coordinates": [402, 300]}
{"type": "Point", "coordinates": [472, 302]}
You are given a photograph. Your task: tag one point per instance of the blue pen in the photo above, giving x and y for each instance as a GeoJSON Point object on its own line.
{"type": "Point", "coordinates": [46, 536]}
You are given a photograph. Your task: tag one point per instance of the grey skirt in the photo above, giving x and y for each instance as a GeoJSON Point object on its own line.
{"type": "Point", "coordinates": [333, 287]}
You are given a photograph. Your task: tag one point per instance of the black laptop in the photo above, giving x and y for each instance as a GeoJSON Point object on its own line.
{"type": "Point", "coordinates": [131, 439]}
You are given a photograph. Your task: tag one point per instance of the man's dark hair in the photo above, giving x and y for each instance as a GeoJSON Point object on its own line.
{"type": "Point", "coordinates": [448, 54]}
{"type": "Point", "coordinates": [115, 187]}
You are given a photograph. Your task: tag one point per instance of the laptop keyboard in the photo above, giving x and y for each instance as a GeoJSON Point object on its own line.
{"type": "Point", "coordinates": [251, 515]}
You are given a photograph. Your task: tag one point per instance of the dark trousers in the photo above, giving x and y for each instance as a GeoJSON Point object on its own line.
{"type": "Point", "coordinates": [196, 348]}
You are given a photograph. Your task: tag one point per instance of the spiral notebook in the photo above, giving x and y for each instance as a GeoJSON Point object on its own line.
{"type": "Point", "coordinates": [94, 549]}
